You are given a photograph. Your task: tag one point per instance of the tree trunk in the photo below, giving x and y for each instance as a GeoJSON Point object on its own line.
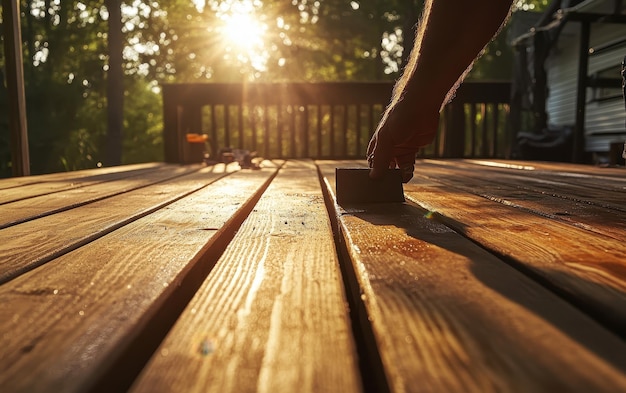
{"type": "Point", "coordinates": [115, 85]}
{"type": "Point", "coordinates": [15, 85]}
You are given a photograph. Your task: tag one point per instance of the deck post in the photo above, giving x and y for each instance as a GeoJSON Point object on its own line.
{"type": "Point", "coordinates": [581, 93]}
{"type": "Point", "coordinates": [18, 129]}
{"type": "Point", "coordinates": [171, 124]}
{"type": "Point", "coordinates": [455, 131]}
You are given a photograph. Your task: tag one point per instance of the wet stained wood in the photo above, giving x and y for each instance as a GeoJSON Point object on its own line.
{"type": "Point", "coordinates": [34, 243]}
{"type": "Point", "coordinates": [562, 168]}
{"type": "Point", "coordinates": [569, 180]}
{"type": "Point", "coordinates": [272, 315]}
{"type": "Point", "coordinates": [32, 207]}
{"type": "Point", "coordinates": [495, 276]}
{"type": "Point", "coordinates": [447, 315]}
{"type": "Point", "coordinates": [601, 211]}
{"type": "Point", "coordinates": [581, 257]}
{"type": "Point", "coordinates": [23, 188]}
{"type": "Point", "coordinates": [12, 182]}
{"type": "Point", "coordinates": [99, 308]}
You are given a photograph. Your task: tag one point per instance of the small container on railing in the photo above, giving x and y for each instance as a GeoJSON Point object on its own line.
{"type": "Point", "coordinates": [194, 149]}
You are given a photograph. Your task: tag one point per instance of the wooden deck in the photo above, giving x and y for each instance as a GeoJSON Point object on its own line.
{"type": "Point", "coordinates": [494, 276]}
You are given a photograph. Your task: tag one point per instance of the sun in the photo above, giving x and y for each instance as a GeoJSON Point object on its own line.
{"type": "Point", "coordinates": [243, 31]}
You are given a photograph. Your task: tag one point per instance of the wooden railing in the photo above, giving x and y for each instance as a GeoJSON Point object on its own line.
{"type": "Point", "coordinates": [322, 120]}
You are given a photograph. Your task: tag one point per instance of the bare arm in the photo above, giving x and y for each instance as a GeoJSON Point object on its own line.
{"type": "Point", "coordinates": [450, 37]}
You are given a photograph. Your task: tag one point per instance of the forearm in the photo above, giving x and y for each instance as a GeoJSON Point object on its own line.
{"type": "Point", "coordinates": [451, 34]}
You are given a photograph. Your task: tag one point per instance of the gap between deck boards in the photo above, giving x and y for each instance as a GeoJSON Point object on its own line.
{"type": "Point", "coordinates": [122, 371]}
{"type": "Point", "coordinates": [135, 356]}
{"type": "Point", "coordinates": [371, 366]}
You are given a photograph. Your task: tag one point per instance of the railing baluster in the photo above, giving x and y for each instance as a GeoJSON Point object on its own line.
{"type": "Point", "coordinates": [305, 129]}
{"type": "Point", "coordinates": [292, 121]}
{"type": "Point", "coordinates": [483, 147]}
{"type": "Point", "coordinates": [332, 131]}
{"type": "Point", "coordinates": [226, 126]}
{"type": "Point", "coordinates": [319, 131]}
{"type": "Point", "coordinates": [473, 129]}
{"type": "Point", "coordinates": [253, 113]}
{"type": "Point", "coordinates": [295, 132]}
{"type": "Point", "coordinates": [241, 141]}
{"type": "Point", "coordinates": [496, 115]}
{"type": "Point", "coordinates": [266, 132]}
{"type": "Point", "coordinates": [279, 130]}
{"type": "Point", "coordinates": [359, 130]}
{"type": "Point", "coordinates": [214, 147]}
{"type": "Point", "coordinates": [370, 125]}
{"type": "Point", "coordinates": [344, 126]}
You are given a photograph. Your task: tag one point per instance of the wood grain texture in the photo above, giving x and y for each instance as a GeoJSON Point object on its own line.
{"type": "Point", "coordinates": [554, 167]}
{"type": "Point", "coordinates": [543, 194]}
{"type": "Point", "coordinates": [568, 181]}
{"type": "Point", "coordinates": [449, 316]}
{"type": "Point", "coordinates": [272, 315]}
{"type": "Point", "coordinates": [587, 266]}
{"type": "Point", "coordinates": [67, 322]}
{"type": "Point", "coordinates": [11, 182]}
{"type": "Point", "coordinates": [26, 209]}
{"type": "Point", "coordinates": [28, 187]}
{"type": "Point", "coordinates": [34, 243]}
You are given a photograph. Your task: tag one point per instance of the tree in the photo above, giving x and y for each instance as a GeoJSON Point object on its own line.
{"type": "Point", "coordinates": [74, 70]}
{"type": "Point", "coordinates": [115, 84]}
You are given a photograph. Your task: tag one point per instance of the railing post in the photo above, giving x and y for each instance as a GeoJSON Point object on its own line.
{"type": "Point", "coordinates": [454, 138]}
{"type": "Point", "coordinates": [583, 64]}
{"type": "Point", "coordinates": [170, 124]}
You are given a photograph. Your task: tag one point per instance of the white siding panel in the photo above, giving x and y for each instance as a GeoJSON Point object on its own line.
{"type": "Point", "coordinates": [562, 70]}
{"type": "Point", "coordinates": [604, 120]}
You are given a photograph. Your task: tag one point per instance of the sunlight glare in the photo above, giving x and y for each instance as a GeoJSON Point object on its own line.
{"type": "Point", "coordinates": [243, 32]}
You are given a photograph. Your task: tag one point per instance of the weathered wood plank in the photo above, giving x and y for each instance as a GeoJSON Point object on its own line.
{"type": "Point", "coordinates": [22, 181]}
{"type": "Point", "coordinates": [88, 310]}
{"type": "Point", "coordinates": [31, 208]}
{"type": "Point", "coordinates": [446, 315]}
{"type": "Point", "coordinates": [272, 315]}
{"type": "Point", "coordinates": [557, 167]}
{"type": "Point", "coordinates": [34, 243]}
{"type": "Point", "coordinates": [49, 184]}
{"type": "Point", "coordinates": [586, 267]}
{"type": "Point", "coordinates": [572, 204]}
{"type": "Point", "coordinates": [586, 176]}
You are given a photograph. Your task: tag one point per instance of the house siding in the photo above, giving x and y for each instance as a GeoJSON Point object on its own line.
{"type": "Point", "coordinates": [604, 120]}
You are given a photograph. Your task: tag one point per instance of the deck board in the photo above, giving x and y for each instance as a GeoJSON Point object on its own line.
{"type": "Point", "coordinates": [84, 309]}
{"type": "Point", "coordinates": [53, 184]}
{"type": "Point", "coordinates": [588, 267]}
{"type": "Point", "coordinates": [26, 209]}
{"type": "Point", "coordinates": [31, 244]}
{"type": "Point", "coordinates": [493, 276]}
{"type": "Point", "coordinates": [272, 315]}
{"type": "Point", "coordinates": [568, 181]}
{"type": "Point", "coordinates": [448, 316]}
{"type": "Point", "coordinates": [598, 211]}
{"type": "Point", "coordinates": [13, 182]}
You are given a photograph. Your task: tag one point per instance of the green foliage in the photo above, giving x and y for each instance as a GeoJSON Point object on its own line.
{"type": "Point", "coordinates": [497, 59]}
{"type": "Point", "coordinates": [65, 57]}
{"type": "Point", "coordinates": [143, 125]}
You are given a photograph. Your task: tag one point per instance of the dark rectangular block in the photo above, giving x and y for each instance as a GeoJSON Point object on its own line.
{"type": "Point", "coordinates": [354, 185]}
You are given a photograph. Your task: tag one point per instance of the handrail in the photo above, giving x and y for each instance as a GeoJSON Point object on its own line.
{"type": "Point", "coordinates": [319, 120]}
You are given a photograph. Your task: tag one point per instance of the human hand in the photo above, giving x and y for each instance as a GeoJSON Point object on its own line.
{"type": "Point", "coordinates": [381, 155]}
{"type": "Point", "coordinates": [398, 138]}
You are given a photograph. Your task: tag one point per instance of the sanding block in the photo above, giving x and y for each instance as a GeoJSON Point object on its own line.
{"type": "Point", "coordinates": [354, 185]}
